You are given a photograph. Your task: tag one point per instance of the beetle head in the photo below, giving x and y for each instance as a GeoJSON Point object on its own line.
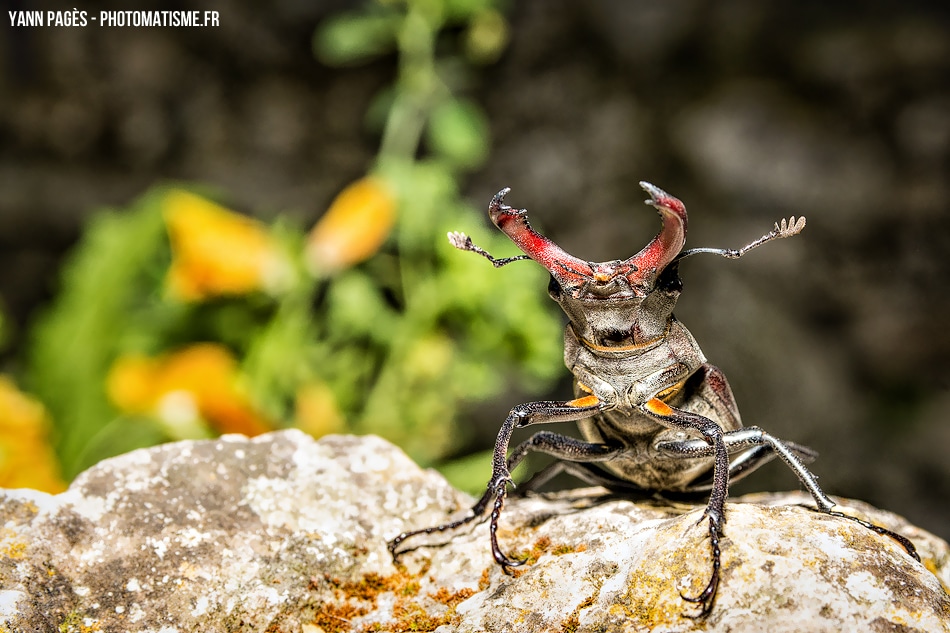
{"type": "Point", "coordinates": [613, 303]}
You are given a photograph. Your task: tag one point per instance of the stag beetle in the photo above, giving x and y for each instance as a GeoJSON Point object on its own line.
{"type": "Point", "coordinates": [656, 416]}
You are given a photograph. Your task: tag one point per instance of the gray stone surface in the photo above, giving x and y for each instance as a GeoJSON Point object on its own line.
{"type": "Point", "coordinates": [284, 533]}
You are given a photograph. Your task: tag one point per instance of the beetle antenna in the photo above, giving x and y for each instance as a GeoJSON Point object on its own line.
{"type": "Point", "coordinates": [464, 243]}
{"type": "Point", "coordinates": [783, 229]}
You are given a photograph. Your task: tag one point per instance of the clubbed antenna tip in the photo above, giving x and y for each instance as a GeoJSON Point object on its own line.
{"type": "Point", "coordinates": [459, 240]}
{"type": "Point", "coordinates": [790, 227]}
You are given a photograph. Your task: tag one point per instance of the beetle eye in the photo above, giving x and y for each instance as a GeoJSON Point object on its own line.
{"type": "Point", "coordinates": [554, 289]}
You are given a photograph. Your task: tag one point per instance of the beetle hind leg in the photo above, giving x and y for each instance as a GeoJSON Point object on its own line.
{"type": "Point", "coordinates": [745, 460]}
{"type": "Point", "coordinates": [905, 542]}
{"type": "Point", "coordinates": [765, 447]}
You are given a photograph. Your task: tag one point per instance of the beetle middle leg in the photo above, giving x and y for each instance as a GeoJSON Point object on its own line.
{"type": "Point", "coordinates": [541, 412]}
{"type": "Point", "coordinates": [574, 457]}
{"type": "Point", "coordinates": [586, 470]}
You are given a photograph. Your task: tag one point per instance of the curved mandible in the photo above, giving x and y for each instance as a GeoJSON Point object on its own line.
{"type": "Point", "coordinates": [567, 269]}
{"type": "Point", "coordinates": [663, 249]}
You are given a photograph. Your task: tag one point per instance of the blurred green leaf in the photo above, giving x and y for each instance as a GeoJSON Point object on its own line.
{"type": "Point", "coordinates": [458, 10]}
{"type": "Point", "coordinates": [122, 435]}
{"type": "Point", "coordinates": [469, 473]}
{"type": "Point", "coordinates": [356, 309]}
{"type": "Point", "coordinates": [74, 343]}
{"type": "Point", "coordinates": [458, 131]}
{"type": "Point", "coordinates": [429, 188]}
{"type": "Point", "coordinates": [354, 38]}
{"type": "Point", "coordinates": [276, 361]}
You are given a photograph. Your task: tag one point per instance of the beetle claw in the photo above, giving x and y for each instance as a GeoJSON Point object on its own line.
{"type": "Point", "coordinates": [509, 565]}
{"type": "Point", "coordinates": [705, 598]}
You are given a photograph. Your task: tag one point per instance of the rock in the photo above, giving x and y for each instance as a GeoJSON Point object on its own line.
{"type": "Point", "coordinates": [284, 533]}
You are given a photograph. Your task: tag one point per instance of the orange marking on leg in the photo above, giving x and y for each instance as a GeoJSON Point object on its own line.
{"type": "Point", "coordinates": [658, 407]}
{"type": "Point", "coordinates": [586, 401]}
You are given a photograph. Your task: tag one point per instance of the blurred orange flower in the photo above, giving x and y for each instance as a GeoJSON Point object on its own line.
{"type": "Point", "coordinates": [194, 384]}
{"type": "Point", "coordinates": [355, 226]}
{"type": "Point", "coordinates": [317, 412]}
{"type": "Point", "coordinates": [218, 252]}
{"type": "Point", "coordinates": [26, 458]}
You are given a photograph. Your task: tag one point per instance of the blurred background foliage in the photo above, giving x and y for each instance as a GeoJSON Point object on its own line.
{"type": "Point", "coordinates": [417, 113]}
{"type": "Point", "coordinates": [179, 318]}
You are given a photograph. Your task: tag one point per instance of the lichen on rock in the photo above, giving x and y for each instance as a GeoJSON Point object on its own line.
{"type": "Point", "coordinates": [284, 533]}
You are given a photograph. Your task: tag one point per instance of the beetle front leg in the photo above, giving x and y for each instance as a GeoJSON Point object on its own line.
{"type": "Point", "coordinates": [543, 412]}
{"type": "Point", "coordinates": [540, 412]}
{"type": "Point", "coordinates": [715, 508]}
